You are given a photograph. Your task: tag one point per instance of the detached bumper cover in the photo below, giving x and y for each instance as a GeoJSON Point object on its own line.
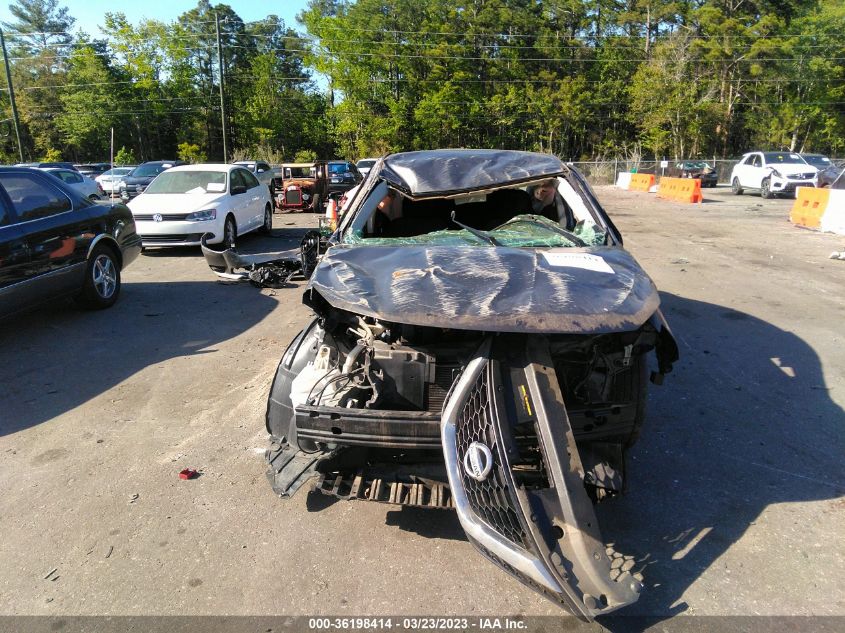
{"type": "Point", "coordinates": [518, 483]}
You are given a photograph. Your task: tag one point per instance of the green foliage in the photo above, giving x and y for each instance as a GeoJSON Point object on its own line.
{"type": "Point", "coordinates": [125, 157]}
{"type": "Point", "coordinates": [580, 79]}
{"type": "Point", "coordinates": [52, 155]}
{"type": "Point", "coordinates": [190, 153]}
{"type": "Point", "coordinates": [305, 156]}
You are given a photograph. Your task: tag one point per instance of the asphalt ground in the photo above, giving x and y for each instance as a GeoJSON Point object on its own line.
{"type": "Point", "coordinates": [735, 489]}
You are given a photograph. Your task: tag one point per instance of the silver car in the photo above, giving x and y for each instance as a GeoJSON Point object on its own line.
{"type": "Point", "coordinates": [110, 179]}
{"type": "Point", "coordinates": [82, 184]}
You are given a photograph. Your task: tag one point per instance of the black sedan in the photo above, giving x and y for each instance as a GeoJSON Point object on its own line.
{"type": "Point", "coordinates": [697, 169]}
{"type": "Point", "coordinates": [137, 180]}
{"type": "Point", "coordinates": [55, 242]}
{"type": "Point", "coordinates": [343, 175]}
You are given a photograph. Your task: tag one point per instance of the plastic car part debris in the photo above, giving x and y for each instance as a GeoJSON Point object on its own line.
{"type": "Point", "coordinates": [266, 270]}
{"type": "Point", "coordinates": [188, 473]}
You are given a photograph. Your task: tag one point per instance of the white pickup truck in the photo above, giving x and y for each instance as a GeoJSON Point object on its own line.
{"type": "Point", "coordinates": [267, 175]}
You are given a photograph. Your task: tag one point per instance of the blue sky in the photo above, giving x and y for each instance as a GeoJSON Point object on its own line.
{"type": "Point", "coordinates": [89, 13]}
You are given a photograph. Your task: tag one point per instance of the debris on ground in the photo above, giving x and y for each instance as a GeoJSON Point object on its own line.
{"type": "Point", "coordinates": [51, 572]}
{"type": "Point", "coordinates": [837, 255]}
{"type": "Point", "coordinates": [188, 473]}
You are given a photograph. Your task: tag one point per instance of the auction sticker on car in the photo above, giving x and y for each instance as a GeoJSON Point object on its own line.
{"type": "Point", "coordinates": [578, 260]}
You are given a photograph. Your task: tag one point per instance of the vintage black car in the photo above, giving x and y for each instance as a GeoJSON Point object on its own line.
{"type": "Point", "coordinates": [54, 242]}
{"type": "Point", "coordinates": [480, 342]}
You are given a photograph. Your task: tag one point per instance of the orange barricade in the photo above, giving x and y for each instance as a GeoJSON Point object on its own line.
{"type": "Point", "coordinates": [641, 182]}
{"type": "Point", "coordinates": [809, 207]}
{"type": "Point", "coordinates": [680, 189]}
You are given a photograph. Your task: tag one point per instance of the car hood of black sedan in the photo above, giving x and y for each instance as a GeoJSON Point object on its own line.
{"type": "Point", "coordinates": [493, 289]}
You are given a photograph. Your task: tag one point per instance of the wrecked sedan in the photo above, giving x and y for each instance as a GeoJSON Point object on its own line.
{"type": "Point", "coordinates": [480, 343]}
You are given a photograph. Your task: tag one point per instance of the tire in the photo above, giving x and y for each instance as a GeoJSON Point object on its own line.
{"type": "Point", "coordinates": [765, 191]}
{"type": "Point", "coordinates": [94, 197]}
{"type": "Point", "coordinates": [102, 279]}
{"type": "Point", "coordinates": [230, 232]}
{"type": "Point", "coordinates": [316, 205]}
{"type": "Point", "coordinates": [267, 227]}
{"type": "Point", "coordinates": [640, 370]}
{"type": "Point", "coordinates": [735, 188]}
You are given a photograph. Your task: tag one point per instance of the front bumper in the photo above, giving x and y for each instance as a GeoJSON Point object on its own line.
{"type": "Point", "coordinates": [544, 533]}
{"type": "Point", "coordinates": [786, 185]}
{"type": "Point", "coordinates": [183, 233]}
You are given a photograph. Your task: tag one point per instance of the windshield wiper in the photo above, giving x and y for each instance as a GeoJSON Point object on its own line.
{"type": "Point", "coordinates": [480, 234]}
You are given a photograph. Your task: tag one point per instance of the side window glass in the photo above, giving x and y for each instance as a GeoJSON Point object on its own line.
{"type": "Point", "coordinates": [4, 215]}
{"type": "Point", "coordinates": [74, 178]}
{"type": "Point", "coordinates": [235, 180]}
{"type": "Point", "coordinates": [34, 198]}
{"type": "Point", "coordinates": [250, 180]}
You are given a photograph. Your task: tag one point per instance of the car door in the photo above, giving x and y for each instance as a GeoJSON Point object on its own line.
{"type": "Point", "coordinates": [239, 201]}
{"type": "Point", "coordinates": [255, 201]}
{"type": "Point", "coordinates": [516, 478]}
{"type": "Point", "coordinates": [14, 261]}
{"type": "Point", "coordinates": [754, 172]}
{"type": "Point", "coordinates": [57, 235]}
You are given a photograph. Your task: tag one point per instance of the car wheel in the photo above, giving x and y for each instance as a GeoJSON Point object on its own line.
{"type": "Point", "coordinates": [735, 188]}
{"type": "Point", "coordinates": [765, 190]}
{"type": "Point", "coordinates": [267, 227]}
{"type": "Point", "coordinates": [230, 232]}
{"type": "Point", "coordinates": [316, 205]}
{"type": "Point", "coordinates": [94, 197]}
{"type": "Point", "coordinates": [102, 279]}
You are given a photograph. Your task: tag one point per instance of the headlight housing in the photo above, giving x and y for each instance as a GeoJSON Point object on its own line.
{"type": "Point", "coordinates": [202, 216]}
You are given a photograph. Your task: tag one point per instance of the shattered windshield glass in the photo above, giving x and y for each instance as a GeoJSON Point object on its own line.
{"type": "Point", "coordinates": [523, 231]}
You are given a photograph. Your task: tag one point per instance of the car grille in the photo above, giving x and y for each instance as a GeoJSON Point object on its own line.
{"type": "Point", "coordinates": [172, 238]}
{"type": "Point", "coordinates": [293, 197]}
{"type": "Point", "coordinates": [808, 176]}
{"type": "Point", "coordinates": [142, 217]}
{"type": "Point", "coordinates": [491, 500]}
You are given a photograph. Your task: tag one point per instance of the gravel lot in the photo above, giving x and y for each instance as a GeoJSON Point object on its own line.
{"type": "Point", "coordinates": [735, 502]}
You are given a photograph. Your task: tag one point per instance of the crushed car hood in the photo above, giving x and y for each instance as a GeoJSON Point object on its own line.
{"type": "Point", "coordinates": [453, 171]}
{"type": "Point", "coordinates": [561, 290]}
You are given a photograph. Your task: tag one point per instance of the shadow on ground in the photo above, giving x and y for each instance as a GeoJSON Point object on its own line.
{"type": "Point", "coordinates": [58, 357]}
{"type": "Point", "coordinates": [745, 421]}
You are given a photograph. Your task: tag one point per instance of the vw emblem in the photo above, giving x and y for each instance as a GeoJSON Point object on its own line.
{"type": "Point", "coordinates": [157, 217]}
{"type": "Point", "coordinates": [478, 461]}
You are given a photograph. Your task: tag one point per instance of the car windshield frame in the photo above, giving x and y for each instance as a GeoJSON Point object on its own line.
{"type": "Point", "coordinates": [189, 182]}
{"type": "Point", "coordinates": [783, 158]}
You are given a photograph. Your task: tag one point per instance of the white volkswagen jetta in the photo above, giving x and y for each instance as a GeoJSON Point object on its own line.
{"type": "Point", "coordinates": [185, 202]}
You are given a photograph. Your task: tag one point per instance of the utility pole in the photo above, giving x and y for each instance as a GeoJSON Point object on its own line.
{"type": "Point", "coordinates": [222, 100]}
{"type": "Point", "coordinates": [11, 95]}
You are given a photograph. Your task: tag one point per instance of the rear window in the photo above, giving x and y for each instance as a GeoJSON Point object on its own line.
{"type": "Point", "coordinates": [34, 198]}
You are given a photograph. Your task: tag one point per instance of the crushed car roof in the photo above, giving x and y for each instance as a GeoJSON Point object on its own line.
{"type": "Point", "coordinates": [453, 171]}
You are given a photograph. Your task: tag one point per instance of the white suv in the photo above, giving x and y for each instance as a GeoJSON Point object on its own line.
{"type": "Point", "coordinates": [772, 173]}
